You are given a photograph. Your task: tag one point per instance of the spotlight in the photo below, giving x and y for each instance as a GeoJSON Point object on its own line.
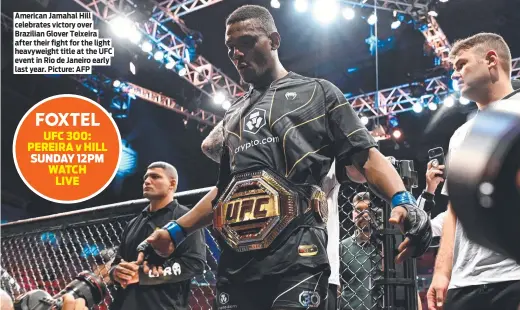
{"type": "Point", "coordinates": [432, 106]}
{"type": "Point", "coordinates": [301, 5]}
{"type": "Point", "coordinates": [395, 24]}
{"type": "Point", "coordinates": [464, 101]}
{"type": "Point", "coordinates": [397, 134]}
{"type": "Point", "coordinates": [159, 55]}
{"type": "Point", "coordinates": [226, 104]}
{"type": "Point", "coordinates": [393, 121]}
{"type": "Point", "coordinates": [120, 26]}
{"type": "Point", "coordinates": [219, 98]}
{"type": "Point", "coordinates": [348, 13]}
{"type": "Point", "coordinates": [132, 68]}
{"type": "Point", "coordinates": [147, 47]}
{"type": "Point", "coordinates": [275, 4]}
{"type": "Point", "coordinates": [116, 83]}
{"type": "Point", "coordinates": [170, 63]}
{"type": "Point", "coordinates": [432, 10]}
{"type": "Point", "coordinates": [183, 71]}
{"type": "Point", "coordinates": [443, 1]}
{"type": "Point", "coordinates": [417, 107]}
{"type": "Point", "coordinates": [449, 101]}
{"type": "Point", "coordinates": [364, 120]}
{"type": "Point", "coordinates": [325, 11]}
{"type": "Point", "coordinates": [372, 19]}
{"type": "Point", "coordinates": [134, 35]}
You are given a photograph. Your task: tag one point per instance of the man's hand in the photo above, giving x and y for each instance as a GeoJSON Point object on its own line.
{"type": "Point", "coordinates": [126, 273]}
{"type": "Point", "coordinates": [432, 180]}
{"type": "Point", "coordinates": [414, 223]}
{"type": "Point", "coordinates": [69, 303]}
{"type": "Point", "coordinates": [437, 292]}
{"type": "Point", "coordinates": [157, 244]}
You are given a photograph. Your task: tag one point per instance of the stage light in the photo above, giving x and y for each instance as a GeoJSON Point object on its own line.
{"type": "Point", "coordinates": [393, 121]}
{"type": "Point", "coordinates": [463, 101]}
{"type": "Point", "coordinates": [275, 4]}
{"type": "Point", "coordinates": [432, 106]}
{"type": "Point", "coordinates": [395, 24]}
{"type": "Point", "coordinates": [301, 5]}
{"type": "Point", "coordinates": [120, 26]}
{"type": "Point", "coordinates": [116, 83]}
{"type": "Point", "coordinates": [372, 19]}
{"type": "Point", "coordinates": [226, 104]}
{"type": "Point", "coordinates": [449, 101]}
{"type": "Point", "coordinates": [134, 35]}
{"type": "Point", "coordinates": [132, 68]}
{"type": "Point", "coordinates": [397, 134]}
{"type": "Point", "coordinates": [170, 63]}
{"type": "Point", "coordinates": [159, 55]}
{"type": "Point", "coordinates": [364, 120]}
{"type": "Point", "coordinates": [443, 1]}
{"type": "Point", "coordinates": [417, 107]}
{"type": "Point", "coordinates": [219, 98]}
{"type": "Point", "coordinates": [325, 11]}
{"type": "Point", "coordinates": [348, 13]}
{"type": "Point", "coordinates": [432, 9]}
{"type": "Point", "coordinates": [147, 47]}
{"type": "Point", "coordinates": [183, 71]}
{"type": "Point", "coordinates": [128, 162]}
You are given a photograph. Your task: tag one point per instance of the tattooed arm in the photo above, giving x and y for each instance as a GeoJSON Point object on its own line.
{"type": "Point", "coordinates": [212, 145]}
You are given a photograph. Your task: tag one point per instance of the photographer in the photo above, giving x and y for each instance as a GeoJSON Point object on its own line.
{"type": "Point", "coordinates": [69, 303]}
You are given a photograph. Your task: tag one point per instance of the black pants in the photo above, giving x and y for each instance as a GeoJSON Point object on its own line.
{"type": "Point", "coordinates": [294, 290]}
{"type": "Point", "coordinates": [332, 297]}
{"type": "Point", "coordinates": [499, 296]}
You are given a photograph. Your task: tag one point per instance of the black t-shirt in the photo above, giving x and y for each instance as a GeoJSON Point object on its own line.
{"type": "Point", "coordinates": [297, 127]}
{"type": "Point", "coordinates": [173, 289]}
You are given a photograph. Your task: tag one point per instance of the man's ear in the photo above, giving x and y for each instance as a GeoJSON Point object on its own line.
{"type": "Point", "coordinates": [275, 40]}
{"type": "Point", "coordinates": [492, 59]}
{"type": "Point", "coordinates": [173, 183]}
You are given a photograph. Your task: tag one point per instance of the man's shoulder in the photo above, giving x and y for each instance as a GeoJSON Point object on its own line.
{"type": "Point", "coordinates": [461, 132]}
{"type": "Point", "coordinates": [180, 210]}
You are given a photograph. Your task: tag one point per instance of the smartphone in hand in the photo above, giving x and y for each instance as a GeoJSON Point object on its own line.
{"type": "Point", "coordinates": [437, 156]}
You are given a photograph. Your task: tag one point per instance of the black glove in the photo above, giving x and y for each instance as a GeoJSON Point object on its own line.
{"type": "Point", "coordinates": [418, 228]}
{"type": "Point", "coordinates": [149, 254]}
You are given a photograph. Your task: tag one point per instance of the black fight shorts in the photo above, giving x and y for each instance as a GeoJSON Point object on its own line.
{"type": "Point", "coordinates": [303, 290]}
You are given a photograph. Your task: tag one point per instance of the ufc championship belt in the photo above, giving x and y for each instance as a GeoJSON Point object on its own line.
{"type": "Point", "coordinates": [257, 207]}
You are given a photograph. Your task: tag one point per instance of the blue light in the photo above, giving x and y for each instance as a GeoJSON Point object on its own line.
{"type": "Point", "coordinates": [90, 250]}
{"type": "Point", "coordinates": [352, 70]}
{"type": "Point", "coordinates": [393, 121]}
{"type": "Point", "coordinates": [48, 238]}
{"type": "Point", "coordinates": [128, 162]}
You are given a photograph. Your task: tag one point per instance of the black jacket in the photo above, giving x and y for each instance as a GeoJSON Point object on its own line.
{"type": "Point", "coordinates": [172, 290]}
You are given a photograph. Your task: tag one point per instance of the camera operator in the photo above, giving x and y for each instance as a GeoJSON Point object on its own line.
{"type": "Point", "coordinates": [69, 303]}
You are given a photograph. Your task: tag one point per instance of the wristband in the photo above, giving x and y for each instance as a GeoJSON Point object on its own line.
{"type": "Point", "coordinates": [176, 232]}
{"type": "Point", "coordinates": [428, 196]}
{"type": "Point", "coordinates": [403, 198]}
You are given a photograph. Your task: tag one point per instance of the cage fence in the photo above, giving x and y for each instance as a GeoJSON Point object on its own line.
{"type": "Point", "coordinates": [48, 253]}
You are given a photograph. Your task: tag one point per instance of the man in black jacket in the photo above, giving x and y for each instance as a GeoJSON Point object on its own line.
{"type": "Point", "coordinates": [150, 291]}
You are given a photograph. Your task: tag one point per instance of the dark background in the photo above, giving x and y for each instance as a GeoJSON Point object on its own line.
{"type": "Point", "coordinates": [307, 48]}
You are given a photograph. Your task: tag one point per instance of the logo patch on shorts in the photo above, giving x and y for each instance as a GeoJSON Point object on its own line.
{"type": "Point", "coordinates": [310, 299]}
{"type": "Point", "coordinates": [307, 250]}
{"type": "Point", "coordinates": [223, 298]}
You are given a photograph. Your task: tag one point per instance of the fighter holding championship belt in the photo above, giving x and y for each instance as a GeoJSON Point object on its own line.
{"type": "Point", "coordinates": [280, 140]}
